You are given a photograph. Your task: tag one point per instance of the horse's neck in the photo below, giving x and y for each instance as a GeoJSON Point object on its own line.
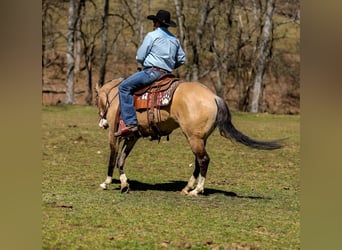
{"type": "Point", "coordinates": [114, 83]}
{"type": "Point", "coordinates": [111, 88]}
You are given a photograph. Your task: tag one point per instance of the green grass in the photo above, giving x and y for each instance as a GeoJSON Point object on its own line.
{"type": "Point", "coordinates": [251, 197]}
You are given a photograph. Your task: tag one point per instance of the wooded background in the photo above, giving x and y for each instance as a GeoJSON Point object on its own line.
{"type": "Point", "coordinates": [247, 51]}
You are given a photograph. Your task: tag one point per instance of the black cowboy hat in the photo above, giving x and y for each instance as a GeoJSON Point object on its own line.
{"type": "Point", "coordinates": [163, 17]}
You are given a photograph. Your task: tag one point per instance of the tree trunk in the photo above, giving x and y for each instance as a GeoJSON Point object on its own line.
{"type": "Point", "coordinates": [179, 14]}
{"type": "Point", "coordinates": [69, 93]}
{"type": "Point", "coordinates": [89, 96]}
{"type": "Point", "coordinates": [197, 44]}
{"type": "Point", "coordinates": [43, 41]}
{"type": "Point", "coordinates": [182, 37]}
{"type": "Point", "coordinates": [217, 57]}
{"type": "Point", "coordinates": [104, 44]}
{"type": "Point", "coordinates": [263, 52]}
{"type": "Point", "coordinates": [137, 22]}
{"type": "Point", "coordinates": [78, 47]}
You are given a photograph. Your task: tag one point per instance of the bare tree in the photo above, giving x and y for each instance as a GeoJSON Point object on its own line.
{"type": "Point", "coordinates": [52, 16]}
{"type": "Point", "coordinates": [180, 19]}
{"type": "Point", "coordinates": [132, 16]}
{"type": "Point", "coordinates": [220, 40]}
{"type": "Point", "coordinates": [78, 46]}
{"type": "Point", "coordinates": [263, 52]}
{"type": "Point", "coordinates": [195, 41]}
{"type": "Point", "coordinates": [247, 34]}
{"type": "Point", "coordinates": [69, 94]}
{"type": "Point", "coordinates": [89, 30]}
{"type": "Point", "coordinates": [179, 14]}
{"type": "Point", "coordinates": [137, 22]}
{"type": "Point", "coordinates": [103, 59]}
{"type": "Point", "coordinates": [44, 18]}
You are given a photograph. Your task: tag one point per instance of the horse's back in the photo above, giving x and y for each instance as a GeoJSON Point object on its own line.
{"type": "Point", "coordinates": [194, 95]}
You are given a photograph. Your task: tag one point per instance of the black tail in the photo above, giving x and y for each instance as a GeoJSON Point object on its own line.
{"type": "Point", "coordinates": [227, 129]}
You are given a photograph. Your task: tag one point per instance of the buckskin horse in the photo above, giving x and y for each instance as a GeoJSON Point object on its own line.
{"type": "Point", "coordinates": [194, 108]}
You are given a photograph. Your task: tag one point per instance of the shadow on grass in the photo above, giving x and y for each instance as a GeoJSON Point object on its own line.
{"type": "Point", "coordinates": [177, 186]}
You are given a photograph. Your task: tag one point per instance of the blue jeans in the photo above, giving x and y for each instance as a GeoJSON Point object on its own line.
{"type": "Point", "coordinates": [128, 86]}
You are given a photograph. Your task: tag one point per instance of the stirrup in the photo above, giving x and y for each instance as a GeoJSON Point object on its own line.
{"type": "Point", "coordinates": [126, 130]}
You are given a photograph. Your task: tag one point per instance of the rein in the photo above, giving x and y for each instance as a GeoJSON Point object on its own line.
{"type": "Point", "coordinates": [108, 103]}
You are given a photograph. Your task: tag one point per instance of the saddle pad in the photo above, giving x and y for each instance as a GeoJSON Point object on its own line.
{"type": "Point", "coordinates": [154, 98]}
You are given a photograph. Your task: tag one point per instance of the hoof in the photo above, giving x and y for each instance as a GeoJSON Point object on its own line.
{"type": "Point", "coordinates": [103, 186]}
{"type": "Point", "coordinates": [184, 192]}
{"type": "Point", "coordinates": [193, 193]}
{"type": "Point", "coordinates": [196, 192]}
{"type": "Point", "coordinates": [125, 189]}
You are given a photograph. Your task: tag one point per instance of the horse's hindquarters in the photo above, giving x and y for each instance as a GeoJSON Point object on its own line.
{"type": "Point", "coordinates": [194, 108]}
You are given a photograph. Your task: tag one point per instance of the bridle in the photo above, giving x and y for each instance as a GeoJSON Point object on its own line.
{"type": "Point", "coordinates": [103, 115]}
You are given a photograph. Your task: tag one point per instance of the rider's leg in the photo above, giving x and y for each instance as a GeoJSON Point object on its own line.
{"type": "Point", "coordinates": [126, 89]}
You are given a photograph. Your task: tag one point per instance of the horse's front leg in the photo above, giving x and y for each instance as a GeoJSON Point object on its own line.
{"type": "Point", "coordinates": [126, 149]}
{"type": "Point", "coordinates": [113, 145]}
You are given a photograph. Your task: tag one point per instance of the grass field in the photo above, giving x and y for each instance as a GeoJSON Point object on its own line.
{"type": "Point", "coordinates": [251, 198]}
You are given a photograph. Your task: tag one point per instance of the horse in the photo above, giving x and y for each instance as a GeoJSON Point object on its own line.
{"type": "Point", "coordinates": [194, 108]}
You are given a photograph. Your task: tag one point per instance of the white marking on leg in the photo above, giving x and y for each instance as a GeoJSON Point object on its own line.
{"type": "Point", "coordinates": [108, 180]}
{"type": "Point", "coordinates": [124, 183]}
{"type": "Point", "coordinates": [200, 186]}
{"type": "Point", "coordinates": [192, 182]}
{"type": "Point", "coordinates": [105, 184]}
{"type": "Point", "coordinates": [123, 178]}
{"type": "Point", "coordinates": [190, 185]}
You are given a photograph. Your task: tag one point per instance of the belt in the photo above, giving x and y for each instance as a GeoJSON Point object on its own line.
{"type": "Point", "coordinates": [158, 69]}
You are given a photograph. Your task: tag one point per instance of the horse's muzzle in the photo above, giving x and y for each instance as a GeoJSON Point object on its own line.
{"type": "Point", "coordinates": [103, 123]}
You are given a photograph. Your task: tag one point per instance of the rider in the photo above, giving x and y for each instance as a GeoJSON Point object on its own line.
{"type": "Point", "coordinates": [159, 53]}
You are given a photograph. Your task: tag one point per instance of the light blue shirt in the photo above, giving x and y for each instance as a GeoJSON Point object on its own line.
{"type": "Point", "coordinates": [161, 49]}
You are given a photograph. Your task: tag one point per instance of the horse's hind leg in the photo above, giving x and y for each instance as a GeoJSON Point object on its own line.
{"type": "Point", "coordinates": [201, 166]}
{"type": "Point", "coordinates": [126, 149]}
{"type": "Point", "coordinates": [193, 178]}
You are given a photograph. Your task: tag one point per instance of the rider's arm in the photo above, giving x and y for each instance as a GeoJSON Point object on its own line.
{"type": "Point", "coordinates": [180, 57]}
{"type": "Point", "coordinates": [144, 49]}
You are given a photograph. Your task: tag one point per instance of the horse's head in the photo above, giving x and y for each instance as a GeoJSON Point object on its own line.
{"type": "Point", "coordinates": [105, 95]}
{"type": "Point", "coordinates": [102, 105]}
